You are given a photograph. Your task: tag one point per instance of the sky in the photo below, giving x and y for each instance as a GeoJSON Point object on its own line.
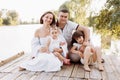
{"type": "Point", "coordinates": [29, 9]}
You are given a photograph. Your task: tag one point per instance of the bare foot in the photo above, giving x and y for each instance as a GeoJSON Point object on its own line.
{"type": "Point", "coordinates": [66, 61]}
{"type": "Point", "coordinates": [21, 69]}
{"type": "Point", "coordinates": [87, 68]}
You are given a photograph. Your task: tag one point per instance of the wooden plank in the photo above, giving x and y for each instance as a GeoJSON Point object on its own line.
{"type": "Point", "coordinates": [78, 71]}
{"type": "Point", "coordinates": [26, 76]}
{"type": "Point", "coordinates": [104, 73]}
{"type": "Point", "coordinates": [14, 65]}
{"type": "Point", "coordinates": [71, 72]}
{"type": "Point", "coordinates": [75, 79]}
{"type": "Point", "coordinates": [66, 70]}
{"type": "Point", "coordinates": [109, 69]}
{"type": "Point", "coordinates": [3, 62]}
{"type": "Point", "coordinates": [11, 76]}
{"type": "Point", "coordinates": [2, 74]}
{"type": "Point", "coordinates": [35, 75]}
{"type": "Point", "coordinates": [12, 62]}
{"type": "Point", "coordinates": [95, 73]}
{"type": "Point", "coordinates": [60, 78]}
{"type": "Point", "coordinates": [44, 76]}
{"type": "Point", "coordinates": [115, 66]}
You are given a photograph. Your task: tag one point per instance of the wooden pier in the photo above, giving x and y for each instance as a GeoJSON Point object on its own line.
{"type": "Point", "coordinates": [9, 71]}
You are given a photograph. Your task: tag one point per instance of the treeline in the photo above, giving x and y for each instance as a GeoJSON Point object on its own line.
{"type": "Point", "coordinates": [106, 22]}
{"type": "Point", "coordinates": [11, 17]}
{"type": "Point", "coordinates": [8, 17]}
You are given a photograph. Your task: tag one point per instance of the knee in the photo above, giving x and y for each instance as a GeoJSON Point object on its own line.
{"type": "Point", "coordinates": [74, 57]}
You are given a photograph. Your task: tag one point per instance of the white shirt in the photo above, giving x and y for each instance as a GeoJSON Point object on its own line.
{"type": "Point", "coordinates": [68, 29]}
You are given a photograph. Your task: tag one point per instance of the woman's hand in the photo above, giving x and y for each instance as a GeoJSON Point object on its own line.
{"type": "Point", "coordinates": [58, 50]}
{"type": "Point", "coordinates": [43, 49]}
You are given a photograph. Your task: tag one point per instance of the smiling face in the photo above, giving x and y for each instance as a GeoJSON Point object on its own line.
{"type": "Point", "coordinates": [47, 19]}
{"type": "Point", "coordinates": [80, 40]}
{"type": "Point", "coordinates": [63, 17]}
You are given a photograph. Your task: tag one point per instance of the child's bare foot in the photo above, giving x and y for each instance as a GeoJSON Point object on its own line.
{"type": "Point", "coordinates": [101, 67]}
{"type": "Point", "coordinates": [66, 61]}
{"type": "Point", "coordinates": [87, 68]}
{"type": "Point", "coordinates": [21, 69]}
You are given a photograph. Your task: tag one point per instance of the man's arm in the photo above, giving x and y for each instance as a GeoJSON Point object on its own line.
{"type": "Point", "coordinates": [86, 32]}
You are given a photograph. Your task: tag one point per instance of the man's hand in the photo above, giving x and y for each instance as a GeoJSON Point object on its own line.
{"type": "Point", "coordinates": [86, 43]}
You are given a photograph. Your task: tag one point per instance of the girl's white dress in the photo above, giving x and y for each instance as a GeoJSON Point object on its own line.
{"type": "Point", "coordinates": [47, 62]}
{"type": "Point", "coordinates": [55, 43]}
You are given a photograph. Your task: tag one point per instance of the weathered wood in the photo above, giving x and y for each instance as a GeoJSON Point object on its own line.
{"type": "Point", "coordinates": [11, 58]}
{"type": "Point", "coordinates": [111, 71]}
{"type": "Point", "coordinates": [78, 71]}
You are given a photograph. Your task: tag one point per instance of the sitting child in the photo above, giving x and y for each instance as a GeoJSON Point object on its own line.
{"type": "Point", "coordinates": [57, 45]}
{"type": "Point", "coordinates": [87, 52]}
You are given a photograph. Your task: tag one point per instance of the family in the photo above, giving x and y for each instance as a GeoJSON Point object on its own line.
{"type": "Point", "coordinates": [61, 42]}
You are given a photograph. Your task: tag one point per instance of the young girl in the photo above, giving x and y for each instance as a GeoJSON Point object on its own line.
{"type": "Point", "coordinates": [57, 45]}
{"type": "Point", "coordinates": [87, 52]}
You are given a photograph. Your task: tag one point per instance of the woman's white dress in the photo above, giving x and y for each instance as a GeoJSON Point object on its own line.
{"type": "Point", "coordinates": [47, 62]}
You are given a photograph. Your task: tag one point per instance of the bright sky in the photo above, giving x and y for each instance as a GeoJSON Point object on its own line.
{"type": "Point", "coordinates": [28, 9]}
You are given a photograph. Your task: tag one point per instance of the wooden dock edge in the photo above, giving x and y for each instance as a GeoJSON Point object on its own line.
{"type": "Point", "coordinates": [11, 58]}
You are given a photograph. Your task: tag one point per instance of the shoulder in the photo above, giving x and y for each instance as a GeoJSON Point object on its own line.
{"type": "Point", "coordinates": [72, 24]}
{"type": "Point", "coordinates": [36, 34]}
{"type": "Point", "coordinates": [80, 27]}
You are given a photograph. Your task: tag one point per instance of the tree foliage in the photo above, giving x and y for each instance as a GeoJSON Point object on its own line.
{"type": "Point", "coordinates": [8, 17]}
{"type": "Point", "coordinates": [77, 10]}
{"type": "Point", "coordinates": [109, 18]}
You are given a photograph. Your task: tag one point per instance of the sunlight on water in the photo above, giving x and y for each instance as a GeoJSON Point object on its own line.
{"type": "Point", "coordinates": [14, 39]}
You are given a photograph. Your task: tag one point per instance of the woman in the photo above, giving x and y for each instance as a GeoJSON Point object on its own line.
{"type": "Point", "coordinates": [42, 60]}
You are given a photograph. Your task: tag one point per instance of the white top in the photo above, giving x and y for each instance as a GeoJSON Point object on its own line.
{"type": "Point", "coordinates": [55, 43]}
{"type": "Point", "coordinates": [68, 29]}
{"type": "Point", "coordinates": [77, 45]}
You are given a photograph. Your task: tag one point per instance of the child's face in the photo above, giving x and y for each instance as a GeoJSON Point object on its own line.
{"type": "Point", "coordinates": [80, 40]}
{"type": "Point", "coordinates": [54, 34]}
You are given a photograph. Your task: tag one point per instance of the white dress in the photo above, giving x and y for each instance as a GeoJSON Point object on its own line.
{"type": "Point", "coordinates": [47, 62]}
{"type": "Point", "coordinates": [55, 43]}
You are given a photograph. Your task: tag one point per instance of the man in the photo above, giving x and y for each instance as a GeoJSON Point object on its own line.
{"type": "Point", "coordinates": [67, 27]}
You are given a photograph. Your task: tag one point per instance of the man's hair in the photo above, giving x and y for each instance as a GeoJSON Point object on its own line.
{"type": "Point", "coordinates": [64, 10]}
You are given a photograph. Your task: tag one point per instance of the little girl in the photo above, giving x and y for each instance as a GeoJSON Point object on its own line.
{"type": "Point", "coordinates": [57, 45]}
{"type": "Point", "coordinates": [87, 52]}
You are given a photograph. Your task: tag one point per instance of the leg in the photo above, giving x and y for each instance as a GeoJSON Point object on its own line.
{"type": "Point", "coordinates": [65, 60]}
{"type": "Point", "coordinates": [99, 53]}
{"type": "Point", "coordinates": [21, 69]}
{"type": "Point", "coordinates": [87, 54]}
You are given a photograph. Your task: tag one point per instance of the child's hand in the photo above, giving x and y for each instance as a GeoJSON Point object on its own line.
{"type": "Point", "coordinates": [62, 43]}
{"type": "Point", "coordinates": [43, 49]}
{"type": "Point", "coordinates": [58, 50]}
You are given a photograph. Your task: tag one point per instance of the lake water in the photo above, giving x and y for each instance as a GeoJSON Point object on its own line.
{"type": "Point", "coordinates": [14, 39]}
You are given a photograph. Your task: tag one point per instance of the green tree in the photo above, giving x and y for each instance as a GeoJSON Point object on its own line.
{"type": "Point", "coordinates": [109, 18]}
{"type": "Point", "coordinates": [77, 10]}
{"type": "Point", "coordinates": [7, 21]}
{"type": "Point", "coordinates": [14, 16]}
